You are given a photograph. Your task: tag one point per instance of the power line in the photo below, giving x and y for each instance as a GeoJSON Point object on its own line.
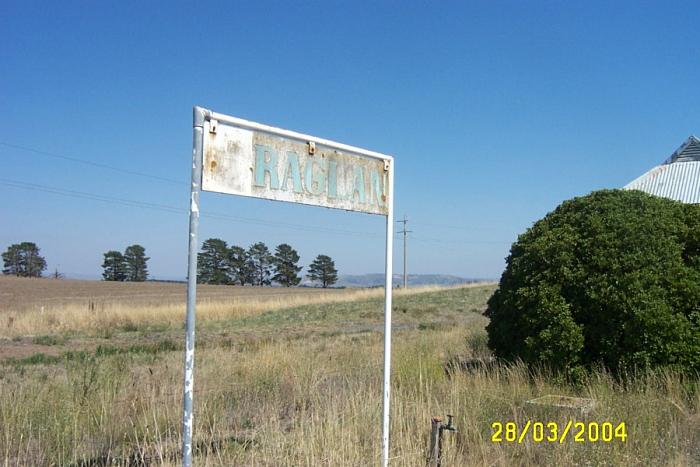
{"type": "Point", "coordinates": [480, 242]}
{"type": "Point", "coordinates": [147, 205]}
{"type": "Point", "coordinates": [173, 209]}
{"type": "Point", "coordinates": [95, 164]}
{"type": "Point", "coordinates": [446, 227]}
{"type": "Point", "coordinates": [454, 227]}
{"type": "Point", "coordinates": [213, 215]}
{"type": "Point", "coordinates": [218, 216]}
{"type": "Point", "coordinates": [441, 226]}
{"type": "Point", "coordinates": [90, 196]}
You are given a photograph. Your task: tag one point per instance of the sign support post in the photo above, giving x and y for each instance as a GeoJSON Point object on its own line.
{"type": "Point", "coordinates": [188, 392]}
{"type": "Point", "coordinates": [235, 156]}
{"type": "Point", "coordinates": [388, 289]}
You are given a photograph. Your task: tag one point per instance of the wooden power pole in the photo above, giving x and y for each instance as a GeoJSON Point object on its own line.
{"type": "Point", "coordinates": [404, 232]}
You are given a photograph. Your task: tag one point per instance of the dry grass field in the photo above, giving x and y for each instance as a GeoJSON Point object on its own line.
{"type": "Point", "coordinates": [294, 384]}
{"type": "Point", "coordinates": [45, 306]}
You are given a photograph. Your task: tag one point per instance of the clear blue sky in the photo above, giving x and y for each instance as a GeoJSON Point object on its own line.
{"type": "Point", "coordinates": [495, 112]}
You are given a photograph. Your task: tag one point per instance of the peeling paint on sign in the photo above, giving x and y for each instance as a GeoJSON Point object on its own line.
{"type": "Point", "coordinates": [263, 165]}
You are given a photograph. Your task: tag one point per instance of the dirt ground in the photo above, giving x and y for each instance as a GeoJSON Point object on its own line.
{"type": "Point", "coordinates": [18, 293]}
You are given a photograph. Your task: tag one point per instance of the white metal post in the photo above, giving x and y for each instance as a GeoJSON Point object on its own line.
{"type": "Point", "coordinates": [188, 391]}
{"type": "Point", "coordinates": [388, 290]}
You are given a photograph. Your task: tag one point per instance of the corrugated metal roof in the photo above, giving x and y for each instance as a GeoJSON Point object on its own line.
{"type": "Point", "coordinates": [689, 151]}
{"type": "Point", "coordinates": [677, 178]}
{"type": "Point", "coordinates": [679, 181]}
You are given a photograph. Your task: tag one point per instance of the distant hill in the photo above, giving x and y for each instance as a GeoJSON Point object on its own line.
{"type": "Point", "coordinates": [377, 280]}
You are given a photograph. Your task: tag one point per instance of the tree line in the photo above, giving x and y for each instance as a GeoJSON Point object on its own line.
{"type": "Point", "coordinates": [23, 260]}
{"type": "Point", "coordinates": [130, 266]}
{"type": "Point", "coordinates": [217, 263]}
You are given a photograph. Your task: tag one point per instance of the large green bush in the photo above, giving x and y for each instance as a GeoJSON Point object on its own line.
{"type": "Point", "coordinates": [611, 278]}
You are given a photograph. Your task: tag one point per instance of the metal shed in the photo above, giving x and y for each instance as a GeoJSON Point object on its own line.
{"type": "Point", "coordinates": [677, 178]}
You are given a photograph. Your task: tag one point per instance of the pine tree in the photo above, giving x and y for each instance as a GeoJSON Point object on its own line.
{"type": "Point", "coordinates": [286, 261]}
{"type": "Point", "coordinates": [261, 261]}
{"type": "Point", "coordinates": [23, 260]}
{"type": "Point", "coordinates": [240, 266]}
{"type": "Point", "coordinates": [135, 261]}
{"type": "Point", "coordinates": [323, 270]}
{"type": "Point", "coordinates": [212, 262]}
{"type": "Point", "coordinates": [114, 266]}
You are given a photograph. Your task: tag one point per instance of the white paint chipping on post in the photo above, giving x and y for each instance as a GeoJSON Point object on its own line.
{"type": "Point", "coordinates": [235, 156]}
{"type": "Point", "coordinates": [189, 393]}
{"type": "Point", "coordinates": [198, 116]}
{"type": "Point", "coordinates": [189, 383]}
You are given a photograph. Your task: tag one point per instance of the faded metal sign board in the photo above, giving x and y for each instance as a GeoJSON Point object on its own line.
{"type": "Point", "coordinates": [235, 156]}
{"type": "Point", "coordinates": [260, 164]}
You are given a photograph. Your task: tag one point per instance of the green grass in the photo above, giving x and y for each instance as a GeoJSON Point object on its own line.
{"type": "Point", "coordinates": [152, 348]}
{"type": "Point", "coordinates": [38, 358]}
{"type": "Point", "coordinates": [303, 387]}
{"type": "Point", "coordinates": [449, 307]}
{"type": "Point", "coordinates": [49, 340]}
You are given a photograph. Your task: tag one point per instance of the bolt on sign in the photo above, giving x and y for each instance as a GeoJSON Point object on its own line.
{"type": "Point", "coordinates": [246, 162]}
{"type": "Point", "coordinates": [235, 156]}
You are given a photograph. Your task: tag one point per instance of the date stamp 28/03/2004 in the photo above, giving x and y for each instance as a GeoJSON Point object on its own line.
{"type": "Point", "coordinates": [553, 432]}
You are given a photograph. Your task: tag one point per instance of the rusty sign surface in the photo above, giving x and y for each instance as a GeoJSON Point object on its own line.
{"type": "Point", "coordinates": [263, 164]}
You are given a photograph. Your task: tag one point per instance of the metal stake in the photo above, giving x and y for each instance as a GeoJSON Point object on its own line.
{"type": "Point", "coordinates": [434, 452]}
{"type": "Point", "coordinates": [188, 391]}
{"type": "Point", "coordinates": [388, 290]}
{"type": "Point", "coordinates": [437, 427]}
